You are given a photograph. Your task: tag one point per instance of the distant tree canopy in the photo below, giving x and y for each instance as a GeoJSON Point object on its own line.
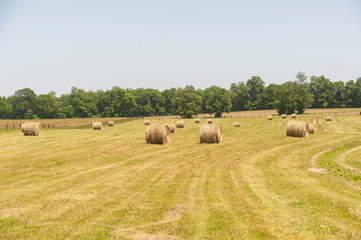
{"type": "Point", "coordinates": [289, 97]}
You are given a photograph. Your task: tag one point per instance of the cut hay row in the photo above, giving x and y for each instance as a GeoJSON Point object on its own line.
{"type": "Point", "coordinates": [297, 129]}
{"type": "Point", "coordinates": [97, 125]}
{"type": "Point", "coordinates": [211, 133]}
{"type": "Point", "coordinates": [236, 124]}
{"type": "Point", "coordinates": [157, 134]}
{"type": "Point", "coordinates": [180, 124]}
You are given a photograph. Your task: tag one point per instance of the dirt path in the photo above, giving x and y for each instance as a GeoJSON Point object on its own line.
{"type": "Point", "coordinates": [313, 162]}
{"type": "Point", "coordinates": [341, 160]}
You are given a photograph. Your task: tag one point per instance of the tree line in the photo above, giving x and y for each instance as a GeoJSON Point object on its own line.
{"type": "Point", "coordinates": [289, 97]}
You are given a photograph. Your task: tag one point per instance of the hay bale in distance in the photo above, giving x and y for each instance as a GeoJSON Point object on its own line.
{"type": "Point", "coordinates": [269, 117]}
{"type": "Point", "coordinates": [157, 134]}
{"type": "Point", "coordinates": [180, 124]}
{"type": "Point", "coordinates": [312, 128]}
{"type": "Point", "coordinates": [31, 129]}
{"type": "Point", "coordinates": [297, 129]}
{"type": "Point", "coordinates": [196, 120]}
{"type": "Point", "coordinates": [294, 115]}
{"type": "Point", "coordinates": [328, 118]}
{"type": "Point", "coordinates": [210, 121]}
{"type": "Point", "coordinates": [284, 116]}
{"type": "Point", "coordinates": [146, 122]}
{"type": "Point", "coordinates": [172, 128]}
{"type": "Point", "coordinates": [211, 133]}
{"type": "Point", "coordinates": [236, 124]}
{"type": "Point", "coordinates": [97, 125]}
{"type": "Point", "coordinates": [110, 123]}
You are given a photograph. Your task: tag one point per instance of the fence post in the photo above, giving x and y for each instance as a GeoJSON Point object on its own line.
{"type": "Point", "coordinates": [7, 127]}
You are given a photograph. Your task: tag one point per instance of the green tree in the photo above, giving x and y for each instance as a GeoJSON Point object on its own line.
{"type": "Point", "coordinates": [169, 95]}
{"type": "Point", "coordinates": [256, 86]}
{"type": "Point", "coordinates": [268, 96]}
{"type": "Point", "coordinates": [217, 100]}
{"type": "Point", "coordinates": [187, 102]}
{"type": "Point", "coordinates": [285, 98]}
{"type": "Point", "coordinates": [44, 106]}
{"type": "Point", "coordinates": [22, 102]}
{"type": "Point", "coordinates": [303, 95]}
{"type": "Point", "coordinates": [5, 108]}
{"type": "Point", "coordinates": [322, 90]}
{"type": "Point", "coordinates": [240, 96]}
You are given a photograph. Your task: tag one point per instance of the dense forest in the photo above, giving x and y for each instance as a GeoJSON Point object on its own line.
{"type": "Point", "coordinates": [289, 97]}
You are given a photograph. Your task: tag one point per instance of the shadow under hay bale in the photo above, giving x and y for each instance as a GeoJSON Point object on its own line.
{"type": "Point", "coordinates": [172, 128]}
{"type": "Point", "coordinates": [328, 118]}
{"type": "Point", "coordinates": [97, 125]}
{"type": "Point", "coordinates": [236, 124]}
{"type": "Point", "coordinates": [157, 134]}
{"type": "Point", "coordinates": [211, 133]}
{"type": "Point", "coordinates": [196, 120]}
{"type": "Point", "coordinates": [283, 116]}
{"type": "Point", "coordinates": [210, 121]}
{"type": "Point", "coordinates": [297, 129]}
{"type": "Point", "coordinates": [269, 117]}
{"type": "Point", "coordinates": [146, 122]}
{"type": "Point", "coordinates": [31, 128]}
{"type": "Point", "coordinates": [180, 124]}
{"type": "Point", "coordinates": [110, 123]}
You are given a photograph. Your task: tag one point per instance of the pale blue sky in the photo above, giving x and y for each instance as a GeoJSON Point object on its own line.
{"type": "Point", "coordinates": [50, 45]}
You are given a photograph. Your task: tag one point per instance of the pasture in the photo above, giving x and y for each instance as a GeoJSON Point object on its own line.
{"type": "Point", "coordinates": [257, 184]}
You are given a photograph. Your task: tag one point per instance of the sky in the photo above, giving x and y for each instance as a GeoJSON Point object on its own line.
{"type": "Point", "coordinates": [90, 44]}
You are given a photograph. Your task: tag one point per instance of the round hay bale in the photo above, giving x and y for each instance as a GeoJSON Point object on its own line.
{"type": "Point", "coordinates": [297, 129]}
{"type": "Point", "coordinates": [22, 127]}
{"type": "Point", "coordinates": [196, 120]}
{"type": "Point", "coordinates": [146, 122]}
{"type": "Point", "coordinates": [236, 124]}
{"type": "Point", "coordinates": [210, 121]}
{"type": "Point", "coordinates": [294, 115]}
{"type": "Point", "coordinates": [284, 116]}
{"type": "Point", "coordinates": [97, 125]}
{"type": "Point", "coordinates": [31, 129]}
{"type": "Point", "coordinates": [157, 134]}
{"type": "Point", "coordinates": [211, 133]}
{"type": "Point", "coordinates": [172, 128]}
{"type": "Point", "coordinates": [110, 123]}
{"type": "Point", "coordinates": [269, 117]}
{"type": "Point", "coordinates": [180, 124]}
{"type": "Point", "coordinates": [328, 118]}
{"type": "Point", "coordinates": [312, 128]}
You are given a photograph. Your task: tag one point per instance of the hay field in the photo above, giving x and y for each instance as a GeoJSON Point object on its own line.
{"type": "Point", "coordinates": [257, 184]}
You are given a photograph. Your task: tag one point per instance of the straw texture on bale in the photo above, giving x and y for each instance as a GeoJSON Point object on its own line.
{"type": "Point", "coordinates": [294, 115]}
{"type": "Point", "coordinates": [236, 124]}
{"type": "Point", "coordinates": [171, 128]}
{"type": "Point", "coordinates": [31, 129]}
{"type": "Point", "coordinates": [196, 120]}
{"type": "Point", "coordinates": [211, 133]}
{"type": "Point", "coordinates": [328, 118]}
{"type": "Point", "coordinates": [284, 116]}
{"type": "Point", "coordinates": [180, 124]}
{"type": "Point", "coordinates": [110, 123]}
{"type": "Point", "coordinates": [297, 129]}
{"type": "Point", "coordinates": [22, 127]}
{"type": "Point", "coordinates": [269, 117]}
{"type": "Point", "coordinates": [97, 125]}
{"type": "Point", "coordinates": [210, 121]}
{"type": "Point", "coordinates": [146, 122]}
{"type": "Point", "coordinates": [157, 134]}
{"type": "Point", "coordinates": [312, 128]}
